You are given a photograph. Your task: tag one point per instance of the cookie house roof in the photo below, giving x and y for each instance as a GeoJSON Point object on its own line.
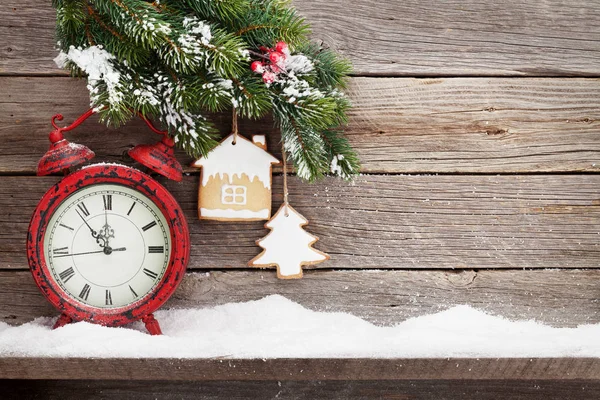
{"type": "Point", "coordinates": [244, 157]}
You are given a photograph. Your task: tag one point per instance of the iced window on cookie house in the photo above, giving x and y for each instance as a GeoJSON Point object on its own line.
{"type": "Point", "coordinates": [231, 194]}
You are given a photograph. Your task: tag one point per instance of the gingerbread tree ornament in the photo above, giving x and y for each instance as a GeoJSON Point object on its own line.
{"type": "Point", "coordinates": [288, 246]}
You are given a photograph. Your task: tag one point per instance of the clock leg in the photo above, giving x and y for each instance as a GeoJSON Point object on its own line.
{"type": "Point", "coordinates": [152, 325]}
{"type": "Point", "coordinates": [63, 320]}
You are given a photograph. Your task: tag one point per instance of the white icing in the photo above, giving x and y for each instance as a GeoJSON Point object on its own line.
{"type": "Point", "coordinates": [234, 214]}
{"type": "Point", "coordinates": [288, 245]}
{"type": "Point", "coordinates": [243, 158]}
{"type": "Point", "coordinates": [259, 139]}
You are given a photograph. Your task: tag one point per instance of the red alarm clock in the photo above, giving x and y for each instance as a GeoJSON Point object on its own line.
{"type": "Point", "coordinates": [108, 244]}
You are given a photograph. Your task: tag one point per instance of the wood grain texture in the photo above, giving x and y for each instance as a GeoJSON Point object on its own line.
{"type": "Point", "coordinates": [388, 37]}
{"type": "Point", "coordinates": [461, 125]}
{"type": "Point", "coordinates": [331, 390]}
{"type": "Point", "coordinates": [560, 298]}
{"type": "Point", "coordinates": [302, 369]}
{"type": "Point", "coordinates": [396, 221]}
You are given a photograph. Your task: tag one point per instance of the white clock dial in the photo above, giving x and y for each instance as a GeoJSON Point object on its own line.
{"type": "Point", "coordinates": [107, 245]}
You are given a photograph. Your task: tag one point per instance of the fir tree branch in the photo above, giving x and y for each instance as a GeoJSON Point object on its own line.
{"type": "Point", "coordinates": [95, 15]}
{"type": "Point", "coordinates": [176, 60]}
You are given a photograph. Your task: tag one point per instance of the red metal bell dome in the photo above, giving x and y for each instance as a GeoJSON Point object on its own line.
{"type": "Point", "coordinates": [159, 157]}
{"type": "Point", "coordinates": [63, 154]}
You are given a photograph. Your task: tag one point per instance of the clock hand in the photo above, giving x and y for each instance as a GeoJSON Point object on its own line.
{"type": "Point", "coordinates": [106, 232]}
{"type": "Point", "coordinates": [93, 252]}
{"type": "Point", "coordinates": [94, 233]}
{"type": "Point", "coordinates": [108, 250]}
{"type": "Point", "coordinates": [80, 254]}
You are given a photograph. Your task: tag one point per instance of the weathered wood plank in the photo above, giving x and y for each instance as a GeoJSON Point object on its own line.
{"type": "Point", "coordinates": [509, 221]}
{"type": "Point", "coordinates": [560, 298]}
{"type": "Point", "coordinates": [560, 369]}
{"type": "Point", "coordinates": [389, 37]}
{"type": "Point", "coordinates": [397, 125]}
{"type": "Point", "coordinates": [331, 390]}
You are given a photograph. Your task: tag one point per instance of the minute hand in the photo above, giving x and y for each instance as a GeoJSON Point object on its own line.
{"type": "Point", "coordinates": [89, 252]}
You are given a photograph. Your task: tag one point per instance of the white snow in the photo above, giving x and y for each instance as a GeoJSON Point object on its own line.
{"type": "Point", "coordinates": [198, 27]}
{"type": "Point", "coordinates": [335, 166]}
{"type": "Point", "coordinates": [276, 327]}
{"type": "Point", "coordinates": [299, 64]}
{"type": "Point", "coordinates": [243, 158]}
{"type": "Point", "coordinates": [97, 64]}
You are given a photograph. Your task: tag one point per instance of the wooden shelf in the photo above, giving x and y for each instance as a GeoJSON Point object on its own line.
{"type": "Point", "coordinates": [562, 369]}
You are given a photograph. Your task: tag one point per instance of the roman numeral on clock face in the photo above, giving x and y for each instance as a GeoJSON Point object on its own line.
{"type": "Point", "coordinates": [108, 298]}
{"type": "Point", "coordinates": [83, 209]}
{"type": "Point", "coordinates": [107, 198]}
{"type": "Point", "coordinates": [151, 274]}
{"type": "Point", "coordinates": [156, 249]}
{"type": "Point", "coordinates": [60, 251]}
{"type": "Point", "coordinates": [135, 295]}
{"type": "Point", "coordinates": [67, 274]}
{"type": "Point", "coordinates": [131, 208]}
{"type": "Point", "coordinates": [150, 225]}
{"type": "Point", "coordinates": [85, 292]}
{"type": "Point", "coordinates": [67, 227]}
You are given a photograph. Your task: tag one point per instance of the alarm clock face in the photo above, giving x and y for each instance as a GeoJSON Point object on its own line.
{"type": "Point", "coordinates": [107, 245]}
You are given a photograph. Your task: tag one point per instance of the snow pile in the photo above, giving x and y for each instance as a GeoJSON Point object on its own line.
{"type": "Point", "coordinates": [276, 327]}
{"type": "Point", "coordinates": [298, 64]}
{"type": "Point", "coordinates": [335, 167]}
{"type": "Point", "coordinates": [198, 27]}
{"type": "Point", "coordinates": [97, 64]}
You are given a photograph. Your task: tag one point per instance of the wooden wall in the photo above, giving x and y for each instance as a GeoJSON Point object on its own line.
{"type": "Point", "coordinates": [478, 125]}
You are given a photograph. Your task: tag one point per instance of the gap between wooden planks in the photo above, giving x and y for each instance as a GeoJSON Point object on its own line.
{"type": "Point", "coordinates": [384, 298]}
{"type": "Point", "coordinates": [389, 37]}
{"type": "Point", "coordinates": [481, 389]}
{"type": "Point", "coordinates": [390, 222]}
{"type": "Point", "coordinates": [401, 125]}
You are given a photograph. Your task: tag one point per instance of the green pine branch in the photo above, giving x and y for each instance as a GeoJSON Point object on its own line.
{"type": "Point", "coordinates": [177, 60]}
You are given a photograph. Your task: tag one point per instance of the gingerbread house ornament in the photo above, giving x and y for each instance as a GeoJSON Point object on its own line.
{"type": "Point", "coordinates": [235, 180]}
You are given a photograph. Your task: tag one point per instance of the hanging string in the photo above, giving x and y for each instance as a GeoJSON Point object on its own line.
{"type": "Point", "coordinates": [234, 125]}
{"type": "Point", "coordinates": [285, 186]}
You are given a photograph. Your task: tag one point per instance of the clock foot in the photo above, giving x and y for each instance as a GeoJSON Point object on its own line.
{"type": "Point", "coordinates": [152, 325]}
{"type": "Point", "coordinates": [63, 320]}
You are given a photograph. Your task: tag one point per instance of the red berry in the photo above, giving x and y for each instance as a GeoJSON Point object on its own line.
{"type": "Point", "coordinates": [275, 68]}
{"type": "Point", "coordinates": [269, 77]}
{"type": "Point", "coordinates": [257, 66]}
{"type": "Point", "coordinates": [264, 49]}
{"type": "Point", "coordinates": [277, 58]}
{"type": "Point", "coordinates": [282, 47]}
